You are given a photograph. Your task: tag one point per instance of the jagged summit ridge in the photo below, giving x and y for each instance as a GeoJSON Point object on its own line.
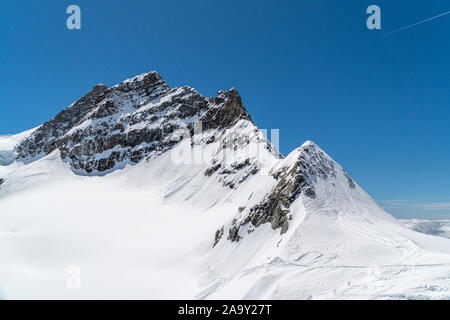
{"type": "Point", "coordinates": [110, 127]}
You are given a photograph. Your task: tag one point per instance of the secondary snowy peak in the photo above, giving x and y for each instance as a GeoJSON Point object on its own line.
{"type": "Point", "coordinates": [111, 127]}
{"type": "Point", "coordinates": [295, 176]}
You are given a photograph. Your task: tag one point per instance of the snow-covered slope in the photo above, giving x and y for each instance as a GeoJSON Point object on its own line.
{"type": "Point", "coordinates": [125, 185]}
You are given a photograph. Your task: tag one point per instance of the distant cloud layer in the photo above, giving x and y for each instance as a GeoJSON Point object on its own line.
{"type": "Point", "coordinates": [396, 204]}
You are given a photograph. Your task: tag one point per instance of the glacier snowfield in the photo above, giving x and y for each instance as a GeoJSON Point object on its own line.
{"type": "Point", "coordinates": [147, 231]}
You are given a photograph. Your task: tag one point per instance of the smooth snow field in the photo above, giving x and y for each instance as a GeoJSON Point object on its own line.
{"type": "Point", "coordinates": [147, 232]}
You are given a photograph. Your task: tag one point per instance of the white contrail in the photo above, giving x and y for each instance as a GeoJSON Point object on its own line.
{"type": "Point", "coordinates": [415, 24]}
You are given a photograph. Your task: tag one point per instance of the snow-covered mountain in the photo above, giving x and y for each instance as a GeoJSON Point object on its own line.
{"type": "Point", "coordinates": [154, 192]}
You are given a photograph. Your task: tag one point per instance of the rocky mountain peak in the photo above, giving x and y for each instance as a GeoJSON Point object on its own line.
{"type": "Point", "coordinates": [110, 127]}
{"type": "Point", "coordinates": [99, 86]}
{"type": "Point", "coordinates": [149, 82]}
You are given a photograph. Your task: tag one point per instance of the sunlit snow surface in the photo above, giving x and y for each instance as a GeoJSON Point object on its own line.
{"type": "Point", "coordinates": [147, 232]}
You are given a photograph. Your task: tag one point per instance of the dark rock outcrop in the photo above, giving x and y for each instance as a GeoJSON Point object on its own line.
{"type": "Point", "coordinates": [218, 236]}
{"type": "Point", "coordinates": [44, 139]}
{"type": "Point", "coordinates": [230, 110]}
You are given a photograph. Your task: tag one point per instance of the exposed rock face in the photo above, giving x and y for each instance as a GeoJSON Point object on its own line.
{"type": "Point", "coordinates": [124, 124]}
{"type": "Point", "coordinates": [2, 181]}
{"type": "Point", "coordinates": [232, 110]}
{"type": "Point", "coordinates": [293, 179]}
{"type": "Point", "coordinates": [45, 139]}
{"type": "Point", "coordinates": [351, 183]}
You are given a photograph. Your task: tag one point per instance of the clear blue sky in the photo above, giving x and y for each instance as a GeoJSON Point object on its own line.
{"type": "Point", "coordinates": [379, 106]}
